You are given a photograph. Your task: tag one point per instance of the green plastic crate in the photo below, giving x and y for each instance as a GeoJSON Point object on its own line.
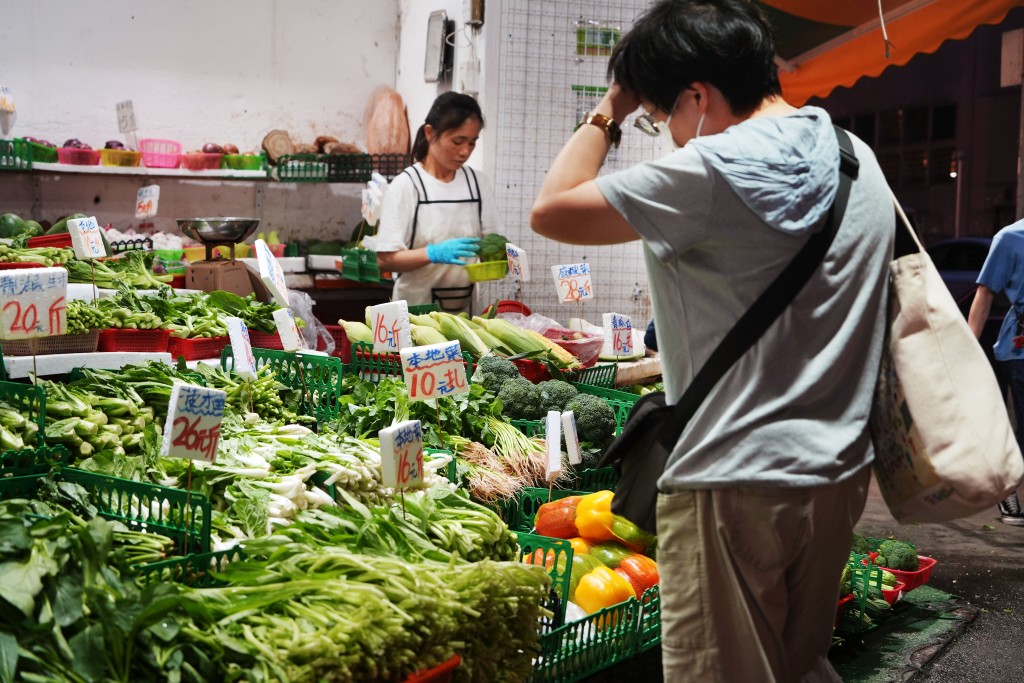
{"type": "Point", "coordinates": [595, 479]}
{"type": "Point", "coordinates": [650, 620]}
{"type": "Point", "coordinates": [598, 375]}
{"type": "Point", "coordinates": [369, 271]}
{"type": "Point", "coordinates": [174, 513]}
{"type": "Point", "coordinates": [390, 165]}
{"type": "Point", "coordinates": [191, 570]}
{"type": "Point", "coordinates": [350, 265]}
{"type": "Point", "coordinates": [862, 578]}
{"type": "Point", "coordinates": [620, 406]}
{"type": "Point", "coordinates": [30, 401]}
{"type": "Point", "coordinates": [245, 162]}
{"type": "Point", "coordinates": [302, 168]}
{"type": "Point", "coordinates": [423, 309]}
{"type": "Point", "coordinates": [42, 153]}
{"type": "Point", "coordinates": [371, 366]}
{"type": "Point", "coordinates": [317, 378]}
{"type": "Point", "coordinates": [348, 168]}
{"type": "Point", "coordinates": [529, 501]}
{"type": "Point", "coordinates": [603, 392]}
{"type": "Point", "coordinates": [556, 555]}
{"type": "Point", "coordinates": [581, 648]}
{"type": "Point", "coordinates": [33, 460]}
{"type": "Point", "coordinates": [15, 155]}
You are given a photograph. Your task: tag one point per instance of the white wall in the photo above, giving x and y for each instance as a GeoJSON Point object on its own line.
{"type": "Point", "coordinates": [197, 71]}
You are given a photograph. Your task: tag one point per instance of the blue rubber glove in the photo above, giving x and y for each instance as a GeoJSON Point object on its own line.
{"type": "Point", "coordinates": [453, 251]}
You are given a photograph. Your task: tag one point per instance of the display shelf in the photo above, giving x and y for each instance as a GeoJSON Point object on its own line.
{"type": "Point", "coordinates": [19, 367]}
{"type": "Point", "coordinates": [289, 264]}
{"type": "Point", "coordinates": [633, 372]}
{"type": "Point", "coordinates": [83, 292]}
{"type": "Point", "coordinates": [146, 171]}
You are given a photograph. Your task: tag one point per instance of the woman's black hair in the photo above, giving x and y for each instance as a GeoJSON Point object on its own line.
{"type": "Point", "coordinates": [726, 43]}
{"type": "Point", "coordinates": [449, 111]}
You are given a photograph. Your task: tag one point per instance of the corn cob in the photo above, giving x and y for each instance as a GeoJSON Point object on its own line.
{"type": "Point", "coordinates": [357, 331]}
{"type": "Point", "coordinates": [454, 328]}
{"type": "Point", "coordinates": [493, 342]}
{"type": "Point", "coordinates": [559, 355]}
{"type": "Point", "coordinates": [424, 320]}
{"type": "Point", "coordinates": [424, 335]}
{"type": "Point", "coordinates": [525, 341]}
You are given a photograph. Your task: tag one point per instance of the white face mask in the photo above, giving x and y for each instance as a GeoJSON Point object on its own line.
{"type": "Point", "coordinates": [700, 124]}
{"type": "Point", "coordinates": [666, 133]}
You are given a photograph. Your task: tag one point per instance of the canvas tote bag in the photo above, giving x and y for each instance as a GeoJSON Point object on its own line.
{"type": "Point", "coordinates": [944, 446]}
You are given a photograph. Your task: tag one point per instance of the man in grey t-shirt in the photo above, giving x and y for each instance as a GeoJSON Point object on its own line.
{"type": "Point", "coordinates": [759, 498]}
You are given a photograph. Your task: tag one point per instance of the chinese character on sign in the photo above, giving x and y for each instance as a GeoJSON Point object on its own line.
{"type": "Point", "coordinates": [434, 370]}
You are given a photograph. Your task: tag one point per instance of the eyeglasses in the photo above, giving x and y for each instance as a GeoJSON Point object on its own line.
{"type": "Point", "coordinates": [646, 123]}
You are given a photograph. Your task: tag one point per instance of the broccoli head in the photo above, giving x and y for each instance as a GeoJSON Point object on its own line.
{"type": "Point", "coordinates": [859, 545]}
{"type": "Point", "coordinates": [520, 399]}
{"type": "Point", "coordinates": [493, 371]}
{"type": "Point", "coordinates": [898, 555]}
{"type": "Point", "coordinates": [595, 419]}
{"type": "Point", "coordinates": [555, 394]}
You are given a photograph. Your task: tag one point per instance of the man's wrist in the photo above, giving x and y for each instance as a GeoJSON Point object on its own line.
{"type": "Point", "coordinates": [609, 125]}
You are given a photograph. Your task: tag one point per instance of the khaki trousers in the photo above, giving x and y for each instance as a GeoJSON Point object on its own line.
{"type": "Point", "coordinates": [750, 579]}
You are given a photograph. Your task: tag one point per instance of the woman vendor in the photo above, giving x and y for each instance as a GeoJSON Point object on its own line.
{"type": "Point", "coordinates": [435, 211]}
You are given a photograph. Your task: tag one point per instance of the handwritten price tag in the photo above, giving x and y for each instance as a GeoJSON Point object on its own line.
{"type": "Point", "coordinates": [618, 332]}
{"type": "Point", "coordinates": [86, 238]}
{"type": "Point", "coordinates": [390, 327]}
{"type": "Point", "coordinates": [518, 264]}
{"type": "Point", "coordinates": [573, 282]}
{"type": "Point", "coordinates": [271, 273]}
{"type": "Point", "coordinates": [553, 436]}
{"type": "Point", "coordinates": [34, 302]}
{"type": "Point", "coordinates": [193, 422]}
{"type": "Point", "coordinates": [401, 455]}
{"type": "Point", "coordinates": [572, 439]}
{"type": "Point", "coordinates": [241, 347]}
{"type": "Point", "coordinates": [434, 370]}
{"type": "Point", "coordinates": [147, 201]}
{"type": "Point", "coordinates": [291, 340]}
{"type": "Point", "coordinates": [126, 116]}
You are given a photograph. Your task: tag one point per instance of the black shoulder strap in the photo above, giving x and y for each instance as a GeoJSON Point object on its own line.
{"type": "Point", "coordinates": [479, 198]}
{"type": "Point", "coordinates": [416, 212]}
{"type": "Point", "coordinates": [760, 316]}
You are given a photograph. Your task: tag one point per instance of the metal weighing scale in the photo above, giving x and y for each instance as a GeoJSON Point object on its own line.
{"type": "Point", "coordinates": [217, 272]}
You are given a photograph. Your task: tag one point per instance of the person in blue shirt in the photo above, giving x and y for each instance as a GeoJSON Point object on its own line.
{"type": "Point", "coordinates": [1002, 272]}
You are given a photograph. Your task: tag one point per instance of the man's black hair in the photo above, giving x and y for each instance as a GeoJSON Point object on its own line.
{"type": "Point", "coordinates": [727, 43]}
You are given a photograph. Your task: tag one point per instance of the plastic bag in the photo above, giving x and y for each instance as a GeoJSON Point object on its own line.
{"type": "Point", "coordinates": [315, 333]}
{"type": "Point", "coordinates": [584, 345]}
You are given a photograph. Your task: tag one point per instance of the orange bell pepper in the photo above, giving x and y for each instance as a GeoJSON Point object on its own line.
{"type": "Point", "coordinates": [580, 546]}
{"type": "Point", "coordinates": [640, 571]}
{"type": "Point", "coordinates": [601, 587]}
{"type": "Point", "coordinates": [557, 519]}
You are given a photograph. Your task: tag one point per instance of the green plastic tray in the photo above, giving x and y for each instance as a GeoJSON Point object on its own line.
{"type": "Point", "coordinates": [556, 555]}
{"type": "Point", "coordinates": [33, 460]}
{"type": "Point", "coordinates": [598, 375]}
{"type": "Point", "coordinates": [390, 165]}
{"type": "Point", "coordinates": [423, 309]}
{"type": "Point", "coordinates": [350, 265]}
{"type": "Point", "coordinates": [191, 570]}
{"type": "Point", "coordinates": [317, 378]}
{"type": "Point", "coordinates": [581, 648]}
{"type": "Point", "coordinates": [371, 366]}
{"type": "Point", "coordinates": [348, 168]}
{"type": "Point", "coordinates": [529, 501]}
{"type": "Point", "coordinates": [30, 401]}
{"type": "Point", "coordinates": [862, 577]}
{"type": "Point", "coordinates": [174, 513]}
{"type": "Point", "coordinates": [15, 155]}
{"type": "Point", "coordinates": [595, 479]}
{"type": "Point", "coordinates": [42, 153]}
{"type": "Point", "coordinates": [302, 168]}
{"type": "Point", "coordinates": [650, 620]}
{"type": "Point", "coordinates": [621, 407]}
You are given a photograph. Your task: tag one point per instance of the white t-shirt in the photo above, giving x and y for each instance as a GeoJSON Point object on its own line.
{"type": "Point", "coordinates": [793, 410]}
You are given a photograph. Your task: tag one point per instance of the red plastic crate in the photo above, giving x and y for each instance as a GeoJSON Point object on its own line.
{"type": "Point", "coordinates": [917, 578]}
{"type": "Point", "coordinates": [264, 340]}
{"type": "Point", "coordinates": [510, 306]}
{"type": "Point", "coordinates": [342, 346]}
{"type": "Point", "coordinates": [532, 370]}
{"type": "Point", "coordinates": [196, 349]}
{"type": "Point", "coordinates": [18, 264]}
{"type": "Point", "coordinates": [134, 341]}
{"type": "Point", "coordinates": [201, 161]}
{"type": "Point", "coordinates": [160, 153]}
{"type": "Point", "coordinates": [442, 673]}
{"type": "Point", "coordinates": [59, 240]}
{"type": "Point", "coordinates": [893, 594]}
{"type": "Point", "coordinates": [78, 157]}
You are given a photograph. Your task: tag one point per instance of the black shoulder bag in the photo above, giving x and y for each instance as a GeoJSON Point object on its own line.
{"type": "Point", "coordinates": [653, 428]}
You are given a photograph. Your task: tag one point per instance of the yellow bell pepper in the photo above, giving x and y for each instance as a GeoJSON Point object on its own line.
{"type": "Point", "coordinates": [580, 546]}
{"type": "Point", "coordinates": [594, 516]}
{"type": "Point", "coordinates": [601, 587]}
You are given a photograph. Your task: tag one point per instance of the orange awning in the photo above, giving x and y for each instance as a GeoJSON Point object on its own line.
{"type": "Point", "coordinates": [824, 45]}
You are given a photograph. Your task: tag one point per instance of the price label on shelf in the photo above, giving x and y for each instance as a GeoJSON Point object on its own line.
{"type": "Point", "coordinates": [86, 238]}
{"type": "Point", "coordinates": [618, 332]}
{"type": "Point", "coordinates": [572, 282]}
{"type": "Point", "coordinates": [518, 264]}
{"type": "Point", "coordinates": [434, 370]}
{"type": "Point", "coordinates": [34, 302]}
{"type": "Point", "coordinates": [401, 455]}
{"type": "Point", "coordinates": [241, 348]}
{"type": "Point", "coordinates": [390, 327]}
{"type": "Point", "coordinates": [291, 340]}
{"type": "Point", "coordinates": [572, 440]}
{"type": "Point", "coordinates": [126, 116]}
{"type": "Point", "coordinates": [271, 273]}
{"type": "Point", "coordinates": [553, 437]}
{"type": "Point", "coordinates": [193, 422]}
{"type": "Point", "coordinates": [147, 201]}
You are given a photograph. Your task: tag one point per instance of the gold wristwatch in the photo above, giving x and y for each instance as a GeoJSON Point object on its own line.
{"type": "Point", "coordinates": [606, 123]}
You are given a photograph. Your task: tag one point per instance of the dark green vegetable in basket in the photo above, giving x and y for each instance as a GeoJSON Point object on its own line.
{"type": "Point", "coordinates": [492, 247]}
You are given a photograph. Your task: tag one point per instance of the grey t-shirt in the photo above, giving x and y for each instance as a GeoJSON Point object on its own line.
{"type": "Point", "coordinates": [720, 218]}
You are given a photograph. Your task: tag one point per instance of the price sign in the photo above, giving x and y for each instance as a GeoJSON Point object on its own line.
{"type": "Point", "coordinates": [86, 238]}
{"type": "Point", "coordinates": [518, 265]}
{"type": "Point", "coordinates": [572, 439]}
{"type": "Point", "coordinates": [390, 327]}
{"type": "Point", "coordinates": [434, 370]}
{"type": "Point", "coordinates": [147, 201]}
{"type": "Point", "coordinates": [291, 340]}
{"type": "Point", "coordinates": [573, 282]}
{"type": "Point", "coordinates": [271, 273]}
{"type": "Point", "coordinates": [553, 436]}
{"type": "Point", "coordinates": [241, 347]}
{"type": "Point", "coordinates": [34, 302]}
{"type": "Point", "coordinates": [126, 116]}
{"type": "Point", "coordinates": [401, 455]}
{"type": "Point", "coordinates": [618, 331]}
{"type": "Point", "coordinates": [193, 422]}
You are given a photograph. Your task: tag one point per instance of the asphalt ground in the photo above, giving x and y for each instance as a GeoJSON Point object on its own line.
{"type": "Point", "coordinates": [966, 625]}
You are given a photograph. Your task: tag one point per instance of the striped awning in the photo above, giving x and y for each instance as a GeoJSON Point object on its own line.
{"type": "Point", "coordinates": [824, 44]}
